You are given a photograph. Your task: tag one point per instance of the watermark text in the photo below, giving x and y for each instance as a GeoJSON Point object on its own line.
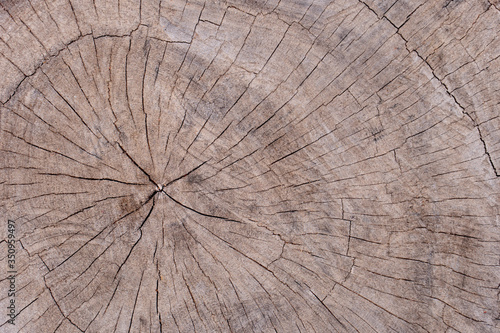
{"type": "Point", "coordinates": [11, 271]}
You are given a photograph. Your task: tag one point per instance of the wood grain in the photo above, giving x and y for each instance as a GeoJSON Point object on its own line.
{"type": "Point", "coordinates": [262, 166]}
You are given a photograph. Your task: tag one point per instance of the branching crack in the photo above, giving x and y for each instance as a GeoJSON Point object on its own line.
{"type": "Point", "coordinates": [440, 80]}
{"type": "Point", "coordinates": [135, 163]}
{"type": "Point", "coordinates": [56, 53]}
{"type": "Point", "coordinates": [59, 307]}
{"type": "Point", "coordinates": [137, 241]}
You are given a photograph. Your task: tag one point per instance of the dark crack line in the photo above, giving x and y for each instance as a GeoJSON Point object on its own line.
{"type": "Point", "coordinates": [135, 163]}
{"type": "Point", "coordinates": [328, 309]}
{"type": "Point", "coordinates": [89, 178]}
{"type": "Point", "coordinates": [100, 232]}
{"type": "Point", "coordinates": [135, 302]}
{"type": "Point", "coordinates": [187, 174]}
{"type": "Point", "coordinates": [450, 94]}
{"type": "Point", "coordinates": [140, 237]}
{"type": "Point", "coordinates": [112, 297]}
{"type": "Point", "coordinates": [59, 307]}
{"type": "Point", "coordinates": [198, 212]}
{"type": "Point", "coordinates": [17, 314]}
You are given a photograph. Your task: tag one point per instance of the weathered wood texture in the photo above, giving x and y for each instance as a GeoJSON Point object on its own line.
{"type": "Point", "coordinates": [289, 166]}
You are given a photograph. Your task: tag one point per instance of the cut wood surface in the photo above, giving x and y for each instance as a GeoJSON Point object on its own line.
{"type": "Point", "coordinates": [250, 166]}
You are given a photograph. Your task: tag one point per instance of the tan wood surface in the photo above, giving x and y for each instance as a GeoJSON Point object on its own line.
{"type": "Point", "coordinates": [251, 166]}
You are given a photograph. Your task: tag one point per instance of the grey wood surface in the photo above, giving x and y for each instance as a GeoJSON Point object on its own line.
{"type": "Point", "coordinates": [250, 166]}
